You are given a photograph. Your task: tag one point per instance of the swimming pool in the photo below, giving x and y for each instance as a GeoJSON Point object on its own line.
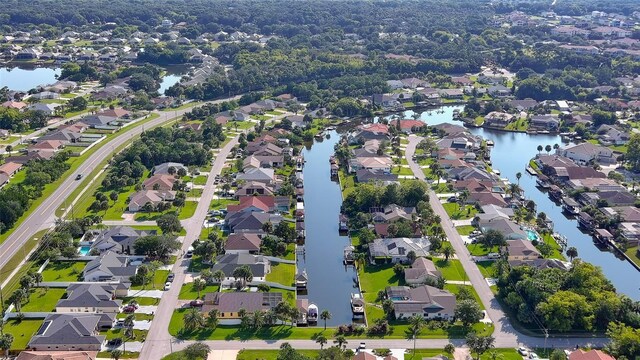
{"type": "Point", "coordinates": [531, 235]}
{"type": "Point", "coordinates": [84, 250]}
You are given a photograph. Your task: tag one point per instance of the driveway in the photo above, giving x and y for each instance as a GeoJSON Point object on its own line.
{"type": "Point", "coordinates": [134, 346]}
{"type": "Point", "coordinates": [223, 355]}
{"type": "Point", "coordinates": [147, 309]}
{"type": "Point", "coordinates": [156, 294]}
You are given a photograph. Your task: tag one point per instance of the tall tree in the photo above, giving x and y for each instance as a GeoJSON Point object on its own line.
{"type": "Point", "coordinates": [325, 315]}
{"type": "Point", "coordinates": [479, 344]}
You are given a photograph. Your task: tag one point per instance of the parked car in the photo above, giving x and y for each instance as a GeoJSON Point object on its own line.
{"type": "Point", "coordinates": [523, 351]}
{"type": "Point", "coordinates": [129, 309]}
{"type": "Point", "coordinates": [189, 252]}
{"type": "Point", "coordinates": [120, 323]}
{"type": "Point", "coordinates": [170, 277]}
{"type": "Point", "coordinates": [167, 286]}
{"type": "Point", "coordinates": [362, 346]}
{"type": "Point", "coordinates": [196, 303]}
{"type": "Point", "coordinates": [452, 199]}
{"type": "Point", "coordinates": [115, 342]}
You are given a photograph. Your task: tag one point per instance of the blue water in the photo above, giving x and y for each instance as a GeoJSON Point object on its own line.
{"type": "Point", "coordinates": [531, 235]}
{"type": "Point", "coordinates": [168, 81]}
{"type": "Point", "coordinates": [84, 250]}
{"type": "Point", "coordinates": [26, 79]}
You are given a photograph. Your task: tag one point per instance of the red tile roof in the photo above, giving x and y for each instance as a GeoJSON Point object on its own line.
{"type": "Point", "coordinates": [589, 355]}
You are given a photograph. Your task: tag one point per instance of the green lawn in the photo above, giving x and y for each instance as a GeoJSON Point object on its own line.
{"type": "Point", "coordinates": [451, 270]}
{"type": "Point", "coordinates": [557, 249]}
{"type": "Point", "coordinates": [187, 292]}
{"type": "Point", "coordinates": [282, 273]}
{"type": "Point", "coordinates": [42, 300]}
{"type": "Point", "coordinates": [456, 213]}
{"type": "Point", "coordinates": [374, 278]}
{"type": "Point", "coordinates": [347, 182]}
{"type": "Point", "coordinates": [63, 271]}
{"type": "Point", "coordinates": [180, 355]}
{"type": "Point", "coordinates": [455, 289]}
{"type": "Point", "coordinates": [465, 229]}
{"type": "Point", "coordinates": [200, 180]}
{"type": "Point", "coordinates": [187, 210]}
{"type": "Point", "coordinates": [138, 316]}
{"type": "Point", "coordinates": [217, 204]}
{"type": "Point", "coordinates": [401, 170]}
{"type": "Point", "coordinates": [481, 250]}
{"type": "Point", "coordinates": [486, 268]}
{"type": "Point", "coordinates": [632, 253]}
{"type": "Point", "coordinates": [518, 125]}
{"type": "Point", "coordinates": [159, 279]}
{"type": "Point", "coordinates": [291, 252]}
{"type": "Point", "coordinates": [138, 335]}
{"type": "Point", "coordinates": [269, 354]}
{"type": "Point", "coordinates": [22, 331]}
{"type": "Point", "coordinates": [125, 355]}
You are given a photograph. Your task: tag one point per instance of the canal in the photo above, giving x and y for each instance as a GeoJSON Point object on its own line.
{"type": "Point", "coordinates": [511, 155]}
{"type": "Point", "coordinates": [330, 282]}
{"type": "Point", "coordinates": [27, 78]}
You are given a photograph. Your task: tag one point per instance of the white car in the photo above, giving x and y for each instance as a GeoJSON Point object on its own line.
{"type": "Point", "coordinates": [167, 286]}
{"type": "Point", "coordinates": [523, 351]}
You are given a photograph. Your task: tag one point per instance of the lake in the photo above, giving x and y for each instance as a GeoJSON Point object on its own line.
{"type": "Point", "coordinates": [25, 79]}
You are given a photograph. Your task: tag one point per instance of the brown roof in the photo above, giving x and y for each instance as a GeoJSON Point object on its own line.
{"type": "Point", "coordinates": [10, 167]}
{"type": "Point", "coordinates": [364, 356]}
{"type": "Point", "coordinates": [120, 112]}
{"type": "Point", "coordinates": [240, 241]}
{"type": "Point", "coordinates": [589, 355]}
{"type": "Point", "coordinates": [165, 182]}
{"type": "Point", "coordinates": [57, 355]}
{"type": "Point", "coordinates": [47, 145]}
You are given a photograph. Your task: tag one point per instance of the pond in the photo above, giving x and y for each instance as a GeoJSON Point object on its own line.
{"type": "Point", "coordinates": [25, 79]}
{"type": "Point", "coordinates": [511, 154]}
{"type": "Point", "coordinates": [172, 76]}
{"type": "Point", "coordinates": [330, 282]}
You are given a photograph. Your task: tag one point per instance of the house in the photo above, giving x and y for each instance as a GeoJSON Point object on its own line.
{"type": "Point", "coordinates": [264, 161]}
{"type": "Point", "coordinates": [229, 304]}
{"type": "Point", "coordinates": [251, 188]}
{"type": "Point", "coordinates": [168, 168]}
{"type": "Point", "coordinates": [67, 136]}
{"type": "Point", "coordinates": [57, 355]}
{"type": "Point", "coordinates": [263, 203]}
{"type": "Point", "coordinates": [522, 250]}
{"type": "Point", "coordinates": [118, 239]}
{"type": "Point", "coordinates": [451, 93]}
{"type": "Point", "coordinates": [381, 163]}
{"type": "Point", "coordinates": [506, 227]}
{"type": "Point", "coordinates": [98, 121]}
{"type": "Point", "coordinates": [109, 266]}
{"type": "Point", "coordinates": [386, 101]}
{"type": "Point", "coordinates": [541, 264]}
{"type": "Point", "coordinates": [242, 243]}
{"type": "Point", "coordinates": [139, 199]}
{"type": "Point", "coordinates": [425, 300]}
{"type": "Point", "coordinates": [10, 168]}
{"type": "Point", "coordinates": [545, 122]}
{"type": "Point", "coordinates": [47, 109]}
{"type": "Point", "coordinates": [376, 175]}
{"type": "Point", "coordinates": [498, 119]}
{"type": "Point", "coordinates": [521, 105]}
{"type": "Point", "coordinates": [609, 135]}
{"type": "Point", "coordinates": [610, 198]}
{"type": "Point", "coordinates": [408, 126]}
{"type": "Point", "coordinates": [46, 145]}
{"type": "Point", "coordinates": [627, 213]}
{"type": "Point", "coordinates": [46, 95]}
{"type": "Point", "coordinates": [262, 175]}
{"type": "Point", "coordinates": [227, 263]}
{"type": "Point", "coordinates": [392, 213]}
{"type": "Point", "coordinates": [252, 221]}
{"type": "Point", "coordinates": [18, 105]}
{"type": "Point", "coordinates": [589, 355]}
{"type": "Point", "coordinates": [586, 152]}
{"type": "Point", "coordinates": [66, 332]}
{"type": "Point", "coordinates": [265, 149]}
{"type": "Point", "coordinates": [159, 182]}
{"type": "Point", "coordinates": [116, 113]}
{"type": "Point", "coordinates": [499, 90]}
{"type": "Point", "coordinates": [369, 132]}
{"type": "Point", "coordinates": [421, 271]}
{"type": "Point", "coordinates": [93, 298]}
{"type": "Point", "coordinates": [395, 250]}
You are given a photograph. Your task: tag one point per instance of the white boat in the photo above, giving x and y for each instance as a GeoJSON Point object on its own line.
{"type": "Point", "coordinates": [571, 206]}
{"type": "Point", "coordinates": [312, 313]}
{"type": "Point", "coordinates": [357, 304]}
{"type": "Point", "coordinates": [490, 143]}
{"type": "Point", "coordinates": [348, 254]}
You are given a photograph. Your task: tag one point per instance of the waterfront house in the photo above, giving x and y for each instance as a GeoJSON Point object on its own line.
{"type": "Point", "coordinates": [421, 271]}
{"type": "Point", "coordinates": [522, 250]}
{"type": "Point", "coordinates": [65, 332]}
{"type": "Point", "coordinates": [377, 175]}
{"type": "Point", "coordinates": [382, 230]}
{"type": "Point", "coordinates": [386, 101]}
{"type": "Point", "coordinates": [610, 135]}
{"type": "Point", "coordinates": [242, 243]}
{"type": "Point", "coordinates": [498, 119]}
{"type": "Point", "coordinates": [408, 126]}
{"type": "Point", "coordinates": [138, 200]}
{"type": "Point", "coordinates": [250, 221]}
{"type": "Point", "coordinates": [263, 161]}
{"type": "Point", "coordinates": [392, 213]}
{"type": "Point", "coordinates": [109, 266]}
{"type": "Point", "coordinates": [470, 173]}
{"type": "Point", "coordinates": [395, 250]}
{"type": "Point", "coordinates": [630, 232]}
{"type": "Point", "coordinates": [427, 301]}
{"type": "Point", "coordinates": [168, 168]}
{"type": "Point", "coordinates": [522, 105]}
{"type": "Point", "coordinates": [499, 90]}
{"type": "Point", "coordinates": [369, 132]}
{"type": "Point", "coordinates": [261, 203]}
{"type": "Point", "coordinates": [265, 149]}
{"type": "Point", "coordinates": [451, 93]}
{"type": "Point", "coordinates": [544, 122]}
{"type": "Point", "coordinates": [381, 163]}
{"type": "Point", "coordinates": [95, 298]}
{"type": "Point", "coordinates": [227, 263]}
{"type": "Point", "coordinates": [611, 198]}
{"type": "Point", "coordinates": [159, 182]}
{"type": "Point", "coordinates": [251, 188]}
{"type": "Point", "coordinates": [594, 184]}
{"type": "Point", "coordinates": [229, 304]}
{"type": "Point", "coordinates": [262, 175]}
{"type": "Point", "coordinates": [506, 227]}
{"type": "Point", "coordinates": [541, 264]}
{"type": "Point", "coordinates": [629, 214]}
{"type": "Point", "coordinates": [486, 198]}
{"type": "Point", "coordinates": [118, 239]}
{"type": "Point", "coordinates": [586, 152]}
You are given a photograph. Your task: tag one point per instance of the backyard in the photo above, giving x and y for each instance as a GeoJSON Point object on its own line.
{"type": "Point", "coordinates": [456, 213]}
{"type": "Point", "coordinates": [22, 330]}
{"type": "Point", "coordinates": [43, 299]}
{"type": "Point", "coordinates": [282, 273]}
{"type": "Point", "coordinates": [159, 279]}
{"type": "Point", "coordinates": [63, 271]}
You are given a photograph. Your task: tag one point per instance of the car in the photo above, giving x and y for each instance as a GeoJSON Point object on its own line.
{"type": "Point", "coordinates": [167, 286]}
{"type": "Point", "coordinates": [523, 351]}
{"type": "Point", "coordinates": [120, 323]}
{"type": "Point", "coordinates": [129, 309]}
{"type": "Point", "coordinates": [452, 199]}
{"type": "Point", "coordinates": [362, 346]}
{"type": "Point", "coordinates": [170, 277]}
{"type": "Point", "coordinates": [189, 253]}
{"type": "Point", "coordinates": [533, 356]}
{"type": "Point", "coordinates": [79, 176]}
{"type": "Point", "coordinates": [196, 303]}
{"type": "Point", "coordinates": [115, 342]}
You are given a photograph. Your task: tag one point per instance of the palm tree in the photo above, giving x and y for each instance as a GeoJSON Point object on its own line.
{"type": "Point", "coordinates": [514, 190]}
{"type": "Point", "coordinates": [212, 319]}
{"type": "Point", "coordinates": [218, 276]}
{"type": "Point", "coordinates": [340, 341]}
{"type": "Point", "coordinates": [6, 341]}
{"type": "Point", "coordinates": [540, 148]}
{"type": "Point", "coordinates": [359, 259]}
{"type": "Point", "coordinates": [153, 267]}
{"type": "Point", "coordinates": [244, 273]}
{"type": "Point", "coordinates": [257, 318]}
{"type": "Point", "coordinates": [193, 319]}
{"type": "Point", "coordinates": [115, 354]}
{"type": "Point", "coordinates": [18, 297]}
{"type": "Point", "coordinates": [320, 339]}
{"type": "Point", "coordinates": [518, 176]}
{"type": "Point", "coordinates": [129, 321]}
{"type": "Point", "coordinates": [547, 148]}
{"type": "Point", "coordinates": [199, 285]}
{"type": "Point", "coordinates": [447, 251]}
{"type": "Point", "coordinates": [37, 278]}
{"type": "Point", "coordinates": [572, 253]}
{"type": "Point", "coordinates": [416, 323]}
{"type": "Point", "coordinates": [325, 315]}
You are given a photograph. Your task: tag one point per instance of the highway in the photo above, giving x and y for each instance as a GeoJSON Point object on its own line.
{"type": "Point", "coordinates": [44, 215]}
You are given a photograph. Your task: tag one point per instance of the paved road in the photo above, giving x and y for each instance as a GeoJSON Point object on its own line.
{"type": "Point", "coordinates": [44, 215]}
{"type": "Point", "coordinates": [504, 332]}
{"type": "Point", "coordinates": [158, 341]}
